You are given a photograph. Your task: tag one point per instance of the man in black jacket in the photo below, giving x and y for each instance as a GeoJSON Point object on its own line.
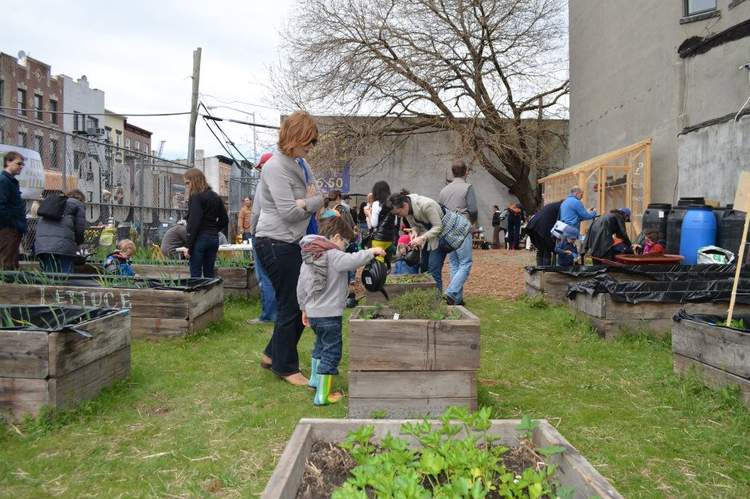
{"type": "Point", "coordinates": [12, 210]}
{"type": "Point", "coordinates": [539, 230]}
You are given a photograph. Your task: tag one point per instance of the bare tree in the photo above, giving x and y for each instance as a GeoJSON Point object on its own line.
{"type": "Point", "coordinates": [487, 70]}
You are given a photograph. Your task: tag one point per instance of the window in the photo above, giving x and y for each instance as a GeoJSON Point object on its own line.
{"type": "Point", "coordinates": [54, 148]}
{"type": "Point", "coordinates": [127, 142]}
{"type": "Point", "coordinates": [21, 139]}
{"type": "Point", "coordinates": [137, 145]}
{"type": "Point", "coordinates": [38, 107]}
{"type": "Point", "coordinates": [38, 143]}
{"type": "Point", "coordinates": [78, 121]}
{"type": "Point", "coordinates": [53, 111]}
{"type": "Point", "coordinates": [119, 138]}
{"type": "Point", "coordinates": [91, 122]}
{"type": "Point", "coordinates": [693, 7]}
{"type": "Point", "coordinates": [22, 102]}
{"type": "Point", "coordinates": [1, 93]}
{"type": "Point", "coordinates": [78, 159]}
{"type": "Point", "coordinates": [145, 148]}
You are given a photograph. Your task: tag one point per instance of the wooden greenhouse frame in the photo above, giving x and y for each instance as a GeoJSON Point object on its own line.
{"type": "Point", "coordinates": [609, 181]}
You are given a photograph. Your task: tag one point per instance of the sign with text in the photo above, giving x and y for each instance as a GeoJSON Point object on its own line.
{"type": "Point", "coordinates": [336, 175]}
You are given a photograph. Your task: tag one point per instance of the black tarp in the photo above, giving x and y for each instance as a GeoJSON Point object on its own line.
{"type": "Point", "coordinates": [713, 320]}
{"type": "Point", "coordinates": [703, 272]}
{"type": "Point", "coordinates": [662, 291]}
{"type": "Point", "coordinates": [95, 281]}
{"type": "Point", "coordinates": [51, 318]}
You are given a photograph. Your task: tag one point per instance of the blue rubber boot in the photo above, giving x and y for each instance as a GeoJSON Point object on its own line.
{"type": "Point", "coordinates": [323, 395]}
{"type": "Point", "coordinates": [314, 373]}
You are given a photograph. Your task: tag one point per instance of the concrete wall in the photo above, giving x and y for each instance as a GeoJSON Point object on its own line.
{"type": "Point", "coordinates": [423, 166]}
{"type": "Point", "coordinates": [628, 82]}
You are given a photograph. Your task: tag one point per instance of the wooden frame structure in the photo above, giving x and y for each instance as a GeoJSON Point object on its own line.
{"type": "Point", "coordinates": [609, 181]}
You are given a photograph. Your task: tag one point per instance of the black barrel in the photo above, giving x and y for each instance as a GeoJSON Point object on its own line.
{"type": "Point", "coordinates": [732, 226]}
{"type": "Point", "coordinates": [689, 201]}
{"type": "Point", "coordinates": [656, 216]}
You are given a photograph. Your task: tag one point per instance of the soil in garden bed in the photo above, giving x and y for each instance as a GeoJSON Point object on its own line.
{"type": "Point", "coordinates": [329, 467]}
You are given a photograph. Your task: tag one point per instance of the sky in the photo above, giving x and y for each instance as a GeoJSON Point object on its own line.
{"type": "Point", "coordinates": [140, 54]}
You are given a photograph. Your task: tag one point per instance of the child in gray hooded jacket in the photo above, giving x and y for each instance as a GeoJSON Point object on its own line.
{"type": "Point", "coordinates": [321, 292]}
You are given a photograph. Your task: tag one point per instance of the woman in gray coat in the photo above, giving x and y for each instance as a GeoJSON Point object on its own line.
{"type": "Point", "coordinates": [56, 241]}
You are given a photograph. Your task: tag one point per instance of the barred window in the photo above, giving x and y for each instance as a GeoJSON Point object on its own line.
{"type": "Point", "coordinates": [53, 111]}
{"type": "Point", "coordinates": [22, 102]}
{"type": "Point", "coordinates": [38, 107]}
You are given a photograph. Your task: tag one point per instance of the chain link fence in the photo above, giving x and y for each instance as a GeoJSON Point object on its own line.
{"type": "Point", "coordinates": [135, 195]}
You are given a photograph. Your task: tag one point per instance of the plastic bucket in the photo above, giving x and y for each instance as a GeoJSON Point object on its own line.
{"type": "Point", "coordinates": [698, 230]}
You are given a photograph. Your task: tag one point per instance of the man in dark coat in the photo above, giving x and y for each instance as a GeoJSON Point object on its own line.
{"type": "Point", "coordinates": [12, 210]}
{"type": "Point", "coordinates": [600, 240]}
{"type": "Point", "coordinates": [538, 229]}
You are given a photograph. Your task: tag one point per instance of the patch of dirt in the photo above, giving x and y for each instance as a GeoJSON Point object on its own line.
{"type": "Point", "coordinates": [329, 467]}
{"type": "Point", "coordinates": [497, 273]}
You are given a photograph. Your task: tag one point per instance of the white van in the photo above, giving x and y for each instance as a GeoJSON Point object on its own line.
{"type": "Point", "coordinates": [31, 179]}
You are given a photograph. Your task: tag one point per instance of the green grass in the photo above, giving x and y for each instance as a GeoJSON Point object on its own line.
{"type": "Point", "coordinates": [199, 417]}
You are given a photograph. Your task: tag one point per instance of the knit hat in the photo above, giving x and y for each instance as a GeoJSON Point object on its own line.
{"type": "Point", "coordinates": [626, 211]}
{"type": "Point", "coordinates": [570, 232]}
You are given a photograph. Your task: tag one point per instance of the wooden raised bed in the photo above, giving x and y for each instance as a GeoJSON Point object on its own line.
{"type": "Point", "coordinates": [552, 282]}
{"type": "Point", "coordinates": [60, 368]}
{"type": "Point", "coordinates": [572, 469]}
{"type": "Point", "coordinates": [395, 288]}
{"type": "Point", "coordinates": [721, 354]}
{"type": "Point", "coordinates": [238, 281]}
{"type": "Point", "coordinates": [412, 367]}
{"type": "Point", "coordinates": [155, 313]}
{"type": "Point", "coordinates": [610, 318]}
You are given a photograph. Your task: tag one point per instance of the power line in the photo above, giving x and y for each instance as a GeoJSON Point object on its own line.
{"type": "Point", "coordinates": [231, 142]}
{"type": "Point", "coordinates": [34, 110]}
{"type": "Point", "coordinates": [214, 118]}
{"type": "Point", "coordinates": [239, 102]}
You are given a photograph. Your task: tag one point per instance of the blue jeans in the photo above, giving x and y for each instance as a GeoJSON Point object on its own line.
{"type": "Point", "coordinates": [328, 343]}
{"type": "Point", "coordinates": [203, 255]}
{"type": "Point", "coordinates": [435, 266]}
{"type": "Point", "coordinates": [54, 263]}
{"type": "Point", "coordinates": [460, 261]}
{"type": "Point", "coordinates": [282, 262]}
{"type": "Point", "coordinates": [246, 236]}
{"type": "Point", "coordinates": [268, 305]}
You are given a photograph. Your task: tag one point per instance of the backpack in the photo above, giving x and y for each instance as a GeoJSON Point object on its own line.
{"type": "Point", "coordinates": [52, 207]}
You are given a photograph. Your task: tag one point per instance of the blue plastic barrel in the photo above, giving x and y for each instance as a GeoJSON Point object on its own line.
{"type": "Point", "coordinates": [698, 230]}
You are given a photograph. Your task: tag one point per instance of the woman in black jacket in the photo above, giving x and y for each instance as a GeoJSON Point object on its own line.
{"type": "Point", "coordinates": [383, 223]}
{"type": "Point", "coordinates": [206, 217]}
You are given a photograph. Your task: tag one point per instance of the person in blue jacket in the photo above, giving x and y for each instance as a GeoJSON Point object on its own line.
{"type": "Point", "coordinates": [572, 211]}
{"type": "Point", "coordinates": [119, 262]}
{"type": "Point", "coordinates": [567, 253]}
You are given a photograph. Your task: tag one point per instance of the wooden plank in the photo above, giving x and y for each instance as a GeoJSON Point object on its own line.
{"type": "Point", "coordinates": [24, 354]}
{"type": "Point", "coordinates": [204, 299]}
{"type": "Point", "coordinates": [86, 382]}
{"type": "Point", "coordinates": [415, 345]}
{"type": "Point", "coordinates": [216, 314]}
{"type": "Point", "coordinates": [573, 470]}
{"type": "Point", "coordinates": [712, 377]}
{"type": "Point", "coordinates": [591, 305]}
{"type": "Point", "coordinates": [152, 328]}
{"type": "Point", "coordinates": [287, 476]}
{"type": "Point", "coordinates": [19, 396]}
{"type": "Point", "coordinates": [410, 394]}
{"type": "Point", "coordinates": [69, 351]}
{"type": "Point", "coordinates": [722, 348]}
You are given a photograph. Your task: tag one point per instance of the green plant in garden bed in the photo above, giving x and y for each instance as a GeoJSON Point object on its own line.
{"type": "Point", "coordinates": [446, 466]}
{"type": "Point", "coordinates": [736, 323]}
{"type": "Point", "coordinates": [422, 304]}
{"type": "Point", "coordinates": [408, 278]}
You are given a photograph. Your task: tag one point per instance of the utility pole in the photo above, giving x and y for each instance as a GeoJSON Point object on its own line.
{"type": "Point", "coordinates": [194, 108]}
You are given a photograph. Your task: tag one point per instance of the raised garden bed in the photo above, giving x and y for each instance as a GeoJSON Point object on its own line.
{"type": "Point", "coordinates": [720, 353]}
{"type": "Point", "coordinates": [573, 471]}
{"type": "Point", "coordinates": [158, 308]}
{"type": "Point", "coordinates": [396, 285]}
{"type": "Point", "coordinates": [613, 307]}
{"type": "Point", "coordinates": [552, 282]}
{"type": "Point", "coordinates": [57, 356]}
{"type": "Point", "coordinates": [238, 281]}
{"type": "Point", "coordinates": [412, 367]}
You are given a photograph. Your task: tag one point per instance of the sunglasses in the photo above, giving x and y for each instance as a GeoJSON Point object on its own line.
{"type": "Point", "coordinates": [347, 243]}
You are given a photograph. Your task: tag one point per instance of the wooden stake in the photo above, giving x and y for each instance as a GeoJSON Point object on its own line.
{"type": "Point", "coordinates": [739, 260]}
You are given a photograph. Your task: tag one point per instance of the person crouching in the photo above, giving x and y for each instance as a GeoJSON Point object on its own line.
{"type": "Point", "coordinates": [322, 290]}
{"type": "Point", "coordinates": [567, 253]}
{"type": "Point", "coordinates": [119, 262]}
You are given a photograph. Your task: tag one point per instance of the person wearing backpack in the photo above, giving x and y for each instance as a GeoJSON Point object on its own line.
{"type": "Point", "coordinates": [57, 240]}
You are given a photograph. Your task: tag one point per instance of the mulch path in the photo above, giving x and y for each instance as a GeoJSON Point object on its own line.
{"type": "Point", "coordinates": [497, 273]}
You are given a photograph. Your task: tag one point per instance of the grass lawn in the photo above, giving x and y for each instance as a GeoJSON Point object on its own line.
{"type": "Point", "coordinates": [199, 417]}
